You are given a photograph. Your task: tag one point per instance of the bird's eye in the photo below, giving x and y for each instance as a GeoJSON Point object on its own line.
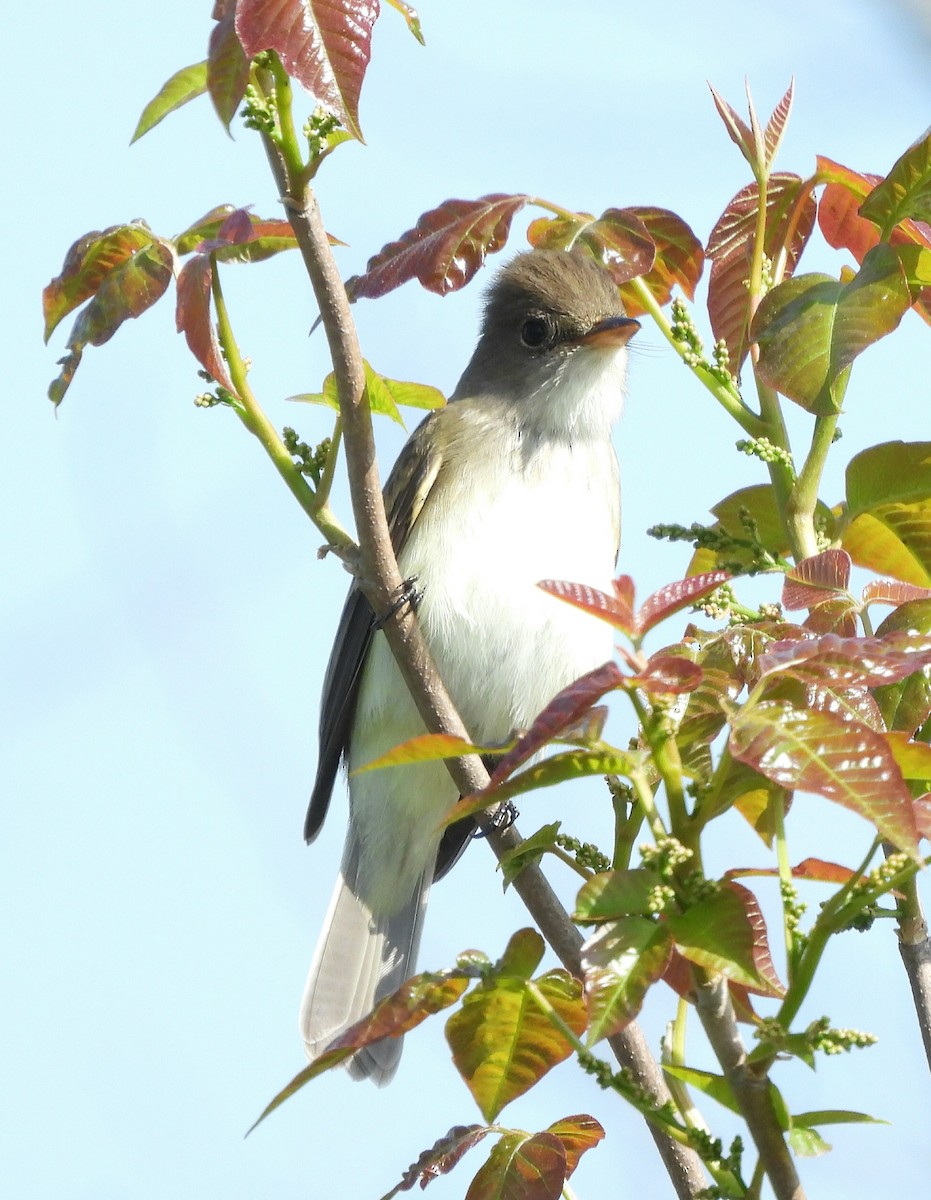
{"type": "Point", "coordinates": [535, 332]}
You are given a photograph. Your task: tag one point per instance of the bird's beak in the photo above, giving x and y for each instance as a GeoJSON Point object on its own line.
{"type": "Point", "coordinates": [613, 332]}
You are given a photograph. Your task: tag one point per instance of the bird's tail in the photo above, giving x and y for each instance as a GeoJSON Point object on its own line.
{"type": "Point", "coordinates": [360, 958]}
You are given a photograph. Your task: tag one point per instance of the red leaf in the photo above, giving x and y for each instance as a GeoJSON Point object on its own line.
{"type": "Point", "coordinates": [618, 239]}
{"type": "Point", "coordinates": [859, 661]}
{"type": "Point", "coordinates": [668, 674]}
{"type": "Point", "coordinates": [227, 65]}
{"type": "Point", "coordinates": [790, 218]}
{"type": "Point", "coordinates": [616, 609]}
{"type": "Point", "coordinates": [891, 591]}
{"type": "Point", "coordinates": [737, 129]}
{"type": "Point", "coordinates": [325, 44]}
{"type": "Point", "coordinates": [442, 1156]}
{"type": "Point", "coordinates": [679, 259]}
{"type": "Point", "coordinates": [522, 1167]}
{"type": "Point", "coordinates": [444, 249]}
{"type": "Point", "coordinates": [923, 816]}
{"type": "Point", "coordinates": [823, 872]}
{"type": "Point", "coordinates": [564, 711]}
{"type": "Point", "coordinates": [192, 318]}
{"type": "Point", "coordinates": [840, 759]}
{"type": "Point", "coordinates": [676, 596]}
{"type": "Point", "coordinates": [775, 126]}
{"type": "Point", "coordinates": [815, 580]}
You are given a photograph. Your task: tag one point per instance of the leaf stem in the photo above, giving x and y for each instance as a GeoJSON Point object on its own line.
{"type": "Point", "coordinates": [787, 883]}
{"type": "Point", "coordinates": [253, 416]}
{"type": "Point", "coordinates": [725, 395]}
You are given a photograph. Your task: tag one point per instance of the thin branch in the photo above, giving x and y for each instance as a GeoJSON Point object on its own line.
{"type": "Point", "coordinates": [751, 1089]}
{"type": "Point", "coordinates": [915, 949]}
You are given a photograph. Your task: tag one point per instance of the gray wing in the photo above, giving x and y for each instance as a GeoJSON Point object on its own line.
{"type": "Point", "coordinates": [406, 491]}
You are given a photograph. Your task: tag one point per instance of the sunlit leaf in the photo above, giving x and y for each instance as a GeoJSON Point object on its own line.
{"type": "Point", "coordinates": [522, 955]}
{"type": "Point", "coordinates": [620, 962]}
{"type": "Point", "coordinates": [775, 126]}
{"type": "Point", "coordinates": [522, 1166]}
{"type": "Point", "coordinates": [668, 675]}
{"type": "Point", "coordinates": [816, 579]}
{"type": "Point", "coordinates": [618, 239]}
{"type": "Point", "coordinates": [844, 228]}
{"type": "Point", "coordinates": [889, 510]}
{"type": "Point", "coordinates": [840, 759]}
{"type": "Point", "coordinates": [715, 1086]}
{"type": "Point", "coordinates": [806, 1142]}
{"type": "Point", "coordinates": [613, 894]}
{"type": "Point", "coordinates": [906, 705]}
{"type": "Point", "coordinates": [563, 712]}
{"type": "Point", "coordinates": [440, 1159]}
{"type": "Point", "coordinates": [227, 65]}
{"type": "Point", "coordinates": [737, 129]}
{"type": "Point", "coordinates": [393, 1016]}
{"type": "Point", "coordinates": [324, 44]}
{"type": "Point", "coordinates": [578, 1134]}
{"type": "Point", "coordinates": [675, 596]}
{"type": "Point", "coordinates": [616, 607]}
{"type": "Point", "coordinates": [790, 217]}
{"type": "Point", "coordinates": [725, 932]}
{"type": "Point", "coordinates": [193, 319]}
{"type": "Point", "coordinates": [183, 86]}
{"type": "Point", "coordinates": [678, 262]}
{"type": "Point", "coordinates": [811, 328]}
{"type": "Point", "coordinates": [839, 661]}
{"type": "Point", "coordinates": [503, 1043]}
{"type": "Point", "coordinates": [425, 747]}
{"type": "Point", "coordinates": [410, 16]}
{"type": "Point", "coordinates": [906, 190]}
{"type": "Point", "coordinates": [444, 249]}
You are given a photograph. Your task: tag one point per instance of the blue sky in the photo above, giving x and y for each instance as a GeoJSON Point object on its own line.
{"type": "Point", "coordinates": [166, 620]}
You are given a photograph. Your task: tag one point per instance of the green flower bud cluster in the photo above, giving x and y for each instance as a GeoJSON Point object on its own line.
{"type": "Point", "coordinates": [258, 111]}
{"type": "Point", "coordinates": [665, 856]}
{"type": "Point", "coordinates": [684, 332]}
{"type": "Point", "coordinates": [310, 460]}
{"type": "Point", "coordinates": [766, 451]}
{"type": "Point", "coordinates": [319, 129]}
{"type": "Point", "coordinates": [822, 1037]}
{"type": "Point", "coordinates": [585, 853]}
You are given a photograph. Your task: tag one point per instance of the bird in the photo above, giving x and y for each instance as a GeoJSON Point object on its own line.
{"type": "Point", "coordinates": [513, 481]}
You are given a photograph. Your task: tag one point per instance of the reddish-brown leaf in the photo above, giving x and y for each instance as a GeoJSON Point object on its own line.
{"type": "Point", "coordinates": [577, 1134]}
{"type": "Point", "coordinates": [522, 1166]}
{"type": "Point", "coordinates": [923, 816]}
{"type": "Point", "coordinates": [676, 596]}
{"type": "Point", "coordinates": [668, 674]}
{"type": "Point", "coordinates": [790, 218]}
{"type": "Point", "coordinates": [891, 591]}
{"type": "Point", "coordinates": [87, 264]}
{"type": "Point", "coordinates": [815, 580]}
{"type": "Point", "coordinates": [679, 258]}
{"type": "Point", "coordinates": [444, 249]}
{"type": "Point", "coordinates": [726, 932]}
{"type": "Point", "coordinates": [440, 1159]}
{"type": "Point", "coordinates": [618, 239]}
{"type": "Point", "coordinates": [227, 65]}
{"type": "Point", "coordinates": [563, 712]}
{"type": "Point", "coordinates": [775, 126]}
{"type": "Point", "coordinates": [192, 318]}
{"type": "Point", "coordinates": [617, 609]}
{"type": "Point", "coordinates": [737, 129]}
{"type": "Point", "coordinates": [856, 661]}
{"type": "Point", "coordinates": [831, 756]}
{"type": "Point", "coordinates": [325, 44]}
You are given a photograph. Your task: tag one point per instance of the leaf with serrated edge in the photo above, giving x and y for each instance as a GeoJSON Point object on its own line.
{"type": "Point", "coordinates": [184, 85]}
{"type": "Point", "coordinates": [501, 1041]}
{"type": "Point", "coordinates": [725, 932]}
{"type": "Point", "coordinates": [863, 661]}
{"type": "Point", "coordinates": [616, 609]}
{"type": "Point", "coordinates": [837, 758]}
{"type": "Point", "coordinates": [324, 44]}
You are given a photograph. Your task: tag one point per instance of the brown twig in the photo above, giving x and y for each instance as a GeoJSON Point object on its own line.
{"type": "Point", "coordinates": [751, 1089]}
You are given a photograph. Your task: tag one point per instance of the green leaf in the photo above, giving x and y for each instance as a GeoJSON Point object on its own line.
{"type": "Point", "coordinates": [503, 1043]}
{"type": "Point", "coordinates": [183, 86]}
{"type": "Point", "coordinates": [384, 395]}
{"type": "Point", "coordinates": [906, 705]}
{"type": "Point", "coordinates": [837, 1116]}
{"type": "Point", "coordinates": [522, 955]}
{"type": "Point", "coordinates": [530, 850]}
{"type": "Point", "coordinates": [811, 328]}
{"type": "Point", "coordinates": [806, 1142]}
{"type": "Point", "coordinates": [906, 190]}
{"type": "Point", "coordinates": [227, 65]}
{"type": "Point", "coordinates": [620, 963]}
{"type": "Point", "coordinates": [613, 894]}
{"type": "Point", "coordinates": [836, 757]}
{"type": "Point", "coordinates": [522, 1166]}
{"type": "Point", "coordinates": [410, 16]}
{"type": "Point", "coordinates": [888, 525]}
{"type": "Point", "coordinates": [725, 932]}
{"type": "Point", "coordinates": [715, 1086]}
